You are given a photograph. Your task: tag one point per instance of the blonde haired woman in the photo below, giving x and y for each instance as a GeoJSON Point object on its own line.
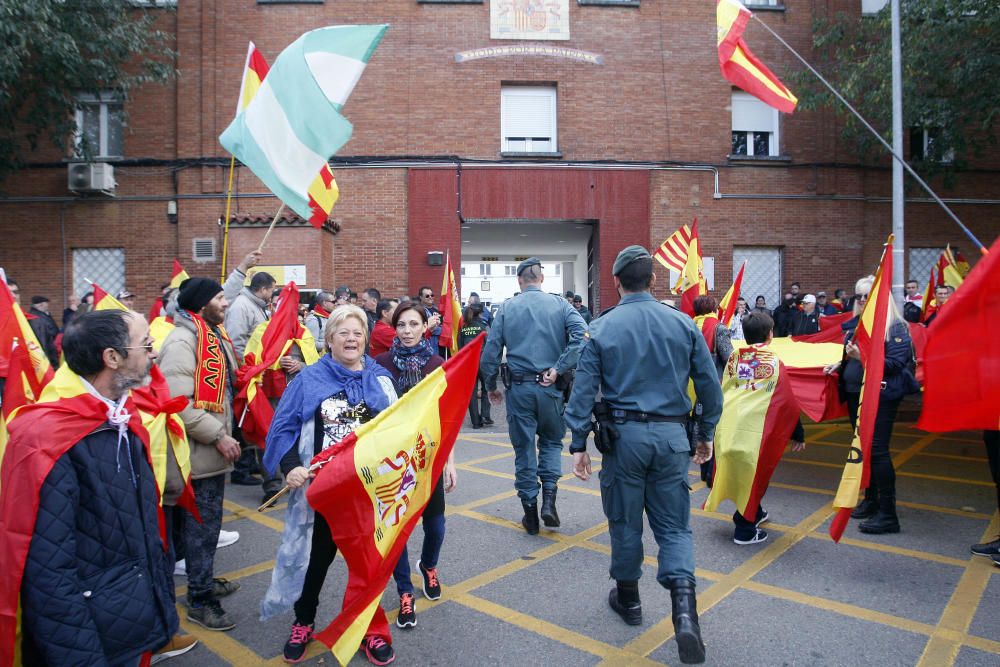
{"type": "Point", "coordinates": [320, 407]}
{"type": "Point", "coordinates": [879, 504]}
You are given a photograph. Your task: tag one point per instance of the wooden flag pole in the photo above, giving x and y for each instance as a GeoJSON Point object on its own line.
{"type": "Point", "coordinates": [229, 201]}
{"type": "Point", "coordinates": [274, 220]}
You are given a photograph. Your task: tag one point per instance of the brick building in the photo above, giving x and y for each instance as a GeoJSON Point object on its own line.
{"type": "Point", "coordinates": [593, 124]}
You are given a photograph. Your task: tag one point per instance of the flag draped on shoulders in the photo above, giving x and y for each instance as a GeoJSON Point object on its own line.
{"type": "Point", "coordinates": [261, 377]}
{"type": "Point", "coordinates": [39, 434]}
{"type": "Point", "coordinates": [740, 66]}
{"type": "Point", "coordinates": [293, 124]}
{"type": "Point", "coordinates": [870, 339]}
{"type": "Point", "coordinates": [375, 483]}
{"type": "Point", "coordinates": [961, 357]}
{"type": "Point", "coordinates": [758, 417]}
{"type": "Point", "coordinates": [451, 309]}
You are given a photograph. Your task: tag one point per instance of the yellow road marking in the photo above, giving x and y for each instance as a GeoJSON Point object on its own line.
{"type": "Point", "coordinates": [917, 475]}
{"type": "Point", "coordinates": [236, 575]}
{"type": "Point", "coordinates": [253, 515]}
{"type": "Point", "coordinates": [219, 643]}
{"type": "Point", "coordinates": [902, 457]}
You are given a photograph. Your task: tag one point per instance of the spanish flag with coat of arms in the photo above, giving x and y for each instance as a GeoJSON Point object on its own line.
{"type": "Point", "coordinates": [373, 486]}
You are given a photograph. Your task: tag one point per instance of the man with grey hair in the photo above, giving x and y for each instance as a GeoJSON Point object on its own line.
{"type": "Point", "coordinates": [544, 336]}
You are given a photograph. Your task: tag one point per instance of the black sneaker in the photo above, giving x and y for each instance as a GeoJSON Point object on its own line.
{"type": "Point", "coordinates": [377, 650]}
{"type": "Point", "coordinates": [210, 615]}
{"type": "Point", "coordinates": [758, 537]}
{"type": "Point", "coordinates": [986, 549]}
{"type": "Point", "coordinates": [487, 422]}
{"type": "Point", "coordinates": [407, 617]}
{"type": "Point", "coordinates": [764, 518]}
{"type": "Point", "coordinates": [631, 614]}
{"type": "Point", "coordinates": [295, 647]}
{"type": "Point", "coordinates": [996, 560]}
{"type": "Point", "coordinates": [432, 586]}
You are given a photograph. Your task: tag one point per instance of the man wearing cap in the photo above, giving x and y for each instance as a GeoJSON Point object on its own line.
{"type": "Point", "coordinates": [127, 299]}
{"type": "Point", "coordinates": [582, 309]}
{"type": "Point", "coordinates": [543, 335]}
{"type": "Point", "coordinates": [198, 362]}
{"type": "Point", "coordinates": [805, 321]}
{"type": "Point", "coordinates": [823, 307]}
{"type": "Point", "coordinates": [45, 327]}
{"type": "Point", "coordinates": [641, 356]}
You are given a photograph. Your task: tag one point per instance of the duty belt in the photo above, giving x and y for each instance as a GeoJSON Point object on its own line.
{"type": "Point", "coordinates": [618, 416]}
{"type": "Point", "coordinates": [521, 378]}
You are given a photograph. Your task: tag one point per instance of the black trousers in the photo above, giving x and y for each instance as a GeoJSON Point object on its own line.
{"type": "Point", "coordinates": [992, 442]}
{"type": "Point", "coordinates": [479, 406]}
{"type": "Point", "coordinates": [883, 475]}
{"type": "Point", "coordinates": [321, 555]}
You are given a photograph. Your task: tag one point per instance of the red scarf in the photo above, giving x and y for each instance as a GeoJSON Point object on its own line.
{"type": "Point", "coordinates": [210, 367]}
{"type": "Point", "coordinates": [319, 310]}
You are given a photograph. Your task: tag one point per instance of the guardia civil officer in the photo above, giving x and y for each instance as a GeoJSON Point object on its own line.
{"type": "Point", "coordinates": [640, 355]}
{"type": "Point", "coordinates": [543, 335]}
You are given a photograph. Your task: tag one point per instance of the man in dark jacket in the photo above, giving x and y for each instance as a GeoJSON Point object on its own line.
{"type": "Point", "coordinates": [96, 586]}
{"type": "Point", "coordinates": [45, 327]}
{"type": "Point", "coordinates": [783, 315]}
{"type": "Point", "coordinates": [805, 321]}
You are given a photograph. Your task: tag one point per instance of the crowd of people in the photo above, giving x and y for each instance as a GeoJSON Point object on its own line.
{"type": "Point", "coordinates": [363, 352]}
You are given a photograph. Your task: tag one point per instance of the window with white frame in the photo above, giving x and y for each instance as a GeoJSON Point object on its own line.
{"type": "Point", "coordinates": [755, 127]}
{"type": "Point", "coordinates": [100, 125]}
{"type": "Point", "coordinates": [528, 119]}
{"type": "Point", "coordinates": [485, 269]}
{"type": "Point", "coordinates": [926, 143]}
{"type": "Point", "coordinates": [510, 270]}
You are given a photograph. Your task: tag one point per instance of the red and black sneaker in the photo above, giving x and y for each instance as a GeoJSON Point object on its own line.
{"type": "Point", "coordinates": [407, 617]}
{"type": "Point", "coordinates": [378, 650]}
{"type": "Point", "coordinates": [432, 585]}
{"type": "Point", "coordinates": [295, 647]}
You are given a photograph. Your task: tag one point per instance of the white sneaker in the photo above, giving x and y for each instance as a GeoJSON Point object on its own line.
{"type": "Point", "coordinates": [180, 568]}
{"type": "Point", "coordinates": [227, 537]}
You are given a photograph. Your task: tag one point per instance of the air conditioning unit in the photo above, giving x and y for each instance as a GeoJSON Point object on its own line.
{"type": "Point", "coordinates": [91, 177]}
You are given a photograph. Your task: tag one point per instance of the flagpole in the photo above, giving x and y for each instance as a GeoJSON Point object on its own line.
{"type": "Point", "coordinates": [885, 144]}
{"type": "Point", "coordinates": [229, 200]}
{"type": "Point", "coordinates": [274, 220]}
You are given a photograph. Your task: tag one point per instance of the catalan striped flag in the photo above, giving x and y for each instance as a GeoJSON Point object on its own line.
{"type": "Point", "coordinates": [728, 304]}
{"type": "Point", "coordinates": [691, 282]}
{"type": "Point", "coordinates": [740, 66]}
{"type": "Point", "coordinates": [292, 126]}
{"type": "Point", "coordinates": [673, 252]}
{"type": "Point", "coordinates": [870, 338]}
{"type": "Point", "coordinates": [373, 487]}
{"type": "Point", "coordinates": [451, 309]}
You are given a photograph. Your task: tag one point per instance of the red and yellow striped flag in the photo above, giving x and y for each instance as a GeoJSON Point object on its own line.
{"type": "Point", "coordinates": [740, 66]}
{"type": "Point", "coordinates": [870, 338]}
{"type": "Point", "coordinates": [451, 309]}
{"type": "Point", "coordinates": [691, 282]}
{"type": "Point", "coordinates": [374, 484]}
{"type": "Point", "coordinates": [673, 252]}
{"type": "Point", "coordinates": [178, 275]}
{"type": "Point", "coordinates": [104, 301]}
{"type": "Point", "coordinates": [728, 304]}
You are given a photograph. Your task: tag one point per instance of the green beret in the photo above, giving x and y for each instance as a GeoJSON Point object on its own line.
{"type": "Point", "coordinates": [627, 256]}
{"type": "Point", "coordinates": [531, 261]}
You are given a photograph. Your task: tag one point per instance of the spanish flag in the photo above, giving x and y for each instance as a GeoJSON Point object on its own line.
{"type": "Point", "coordinates": [728, 304]}
{"type": "Point", "coordinates": [740, 66]}
{"type": "Point", "coordinates": [158, 309]}
{"type": "Point", "coordinates": [104, 301]}
{"type": "Point", "coordinates": [829, 329]}
{"type": "Point", "coordinates": [870, 338]}
{"type": "Point", "coordinates": [759, 415]}
{"type": "Point", "coordinates": [950, 271]}
{"type": "Point", "coordinates": [373, 487]}
{"type": "Point", "coordinates": [673, 252]}
{"type": "Point", "coordinates": [451, 309]}
{"type": "Point", "coordinates": [929, 302]}
{"type": "Point", "coordinates": [961, 360]}
{"type": "Point", "coordinates": [691, 282]}
{"type": "Point", "coordinates": [261, 377]}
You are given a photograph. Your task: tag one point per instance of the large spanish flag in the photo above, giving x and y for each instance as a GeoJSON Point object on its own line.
{"type": "Point", "coordinates": [374, 485]}
{"type": "Point", "coordinates": [451, 309]}
{"type": "Point", "coordinates": [830, 330]}
{"type": "Point", "coordinates": [270, 341]}
{"type": "Point", "coordinates": [803, 363]}
{"type": "Point", "coordinates": [758, 417]}
{"type": "Point", "coordinates": [740, 66]}
{"type": "Point", "coordinates": [961, 359]}
{"type": "Point", "coordinates": [870, 338]}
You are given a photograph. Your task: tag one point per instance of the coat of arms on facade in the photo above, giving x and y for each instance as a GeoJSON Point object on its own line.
{"type": "Point", "coordinates": [529, 19]}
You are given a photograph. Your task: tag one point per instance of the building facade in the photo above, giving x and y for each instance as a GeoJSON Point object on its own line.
{"type": "Point", "coordinates": [489, 130]}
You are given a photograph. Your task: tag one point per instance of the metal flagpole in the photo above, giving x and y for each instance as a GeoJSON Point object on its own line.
{"type": "Point", "coordinates": [229, 200]}
{"type": "Point", "coordinates": [898, 195]}
{"type": "Point", "coordinates": [878, 136]}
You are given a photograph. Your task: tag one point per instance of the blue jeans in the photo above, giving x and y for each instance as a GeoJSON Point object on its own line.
{"type": "Point", "coordinates": [433, 521]}
{"type": "Point", "coordinates": [535, 411]}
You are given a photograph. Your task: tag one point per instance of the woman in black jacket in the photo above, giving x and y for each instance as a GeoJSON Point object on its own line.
{"type": "Point", "coordinates": [879, 504]}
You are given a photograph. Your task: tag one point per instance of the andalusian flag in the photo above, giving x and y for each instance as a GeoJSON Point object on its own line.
{"type": "Point", "coordinates": [758, 417]}
{"type": "Point", "coordinates": [261, 377]}
{"type": "Point", "coordinates": [673, 252]}
{"type": "Point", "coordinates": [104, 301]}
{"type": "Point", "coordinates": [451, 309]}
{"type": "Point", "coordinates": [293, 124]}
{"type": "Point", "coordinates": [961, 364]}
{"type": "Point", "coordinates": [728, 304]}
{"type": "Point", "coordinates": [691, 282]}
{"type": "Point", "coordinates": [375, 484]}
{"type": "Point", "coordinates": [740, 66]}
{"type": "Point", "coordinates": [870, 338]}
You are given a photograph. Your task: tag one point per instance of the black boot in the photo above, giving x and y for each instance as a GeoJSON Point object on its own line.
{"type": "Point", "coordinates": [868, 506]}
{"type": "Point", "coordinates": [530, 520]}
{"type": "Point", "coordinates": [884, 520]}
{"type": "Point", "coordinates": [549, 514]}
{"type": "Point", "coordinates": [685, 617]}
{"type": "Point", "coordinates": [624, 599]}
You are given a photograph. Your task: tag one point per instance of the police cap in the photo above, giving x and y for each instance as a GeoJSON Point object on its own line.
{"type": "Point", "coordinates": [627, 256]}
{"type": "Point", "coordinates": [531, 261]}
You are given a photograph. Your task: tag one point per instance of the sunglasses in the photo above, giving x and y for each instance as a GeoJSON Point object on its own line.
{"type": "Point", "coordinates": [861, 297]}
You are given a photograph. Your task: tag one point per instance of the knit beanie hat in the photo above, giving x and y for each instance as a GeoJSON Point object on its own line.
{"type": "Point", "coordinates": [196, 292]}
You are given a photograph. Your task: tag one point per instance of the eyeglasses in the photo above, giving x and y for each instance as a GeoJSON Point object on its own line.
{"type": "Point", "coordinates": [861, 297]}
{"type": "Point", "coordinates": [145, 346]}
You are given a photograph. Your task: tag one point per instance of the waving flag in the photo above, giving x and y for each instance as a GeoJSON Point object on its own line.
{"type": "Point", "coordinates": [870, 338]}
{"type": "Point", "coordinates": [691, 282]}
{"type": "Point", "coordinates": [104, 301]}
{"type": "Point", "coordinates": [451, 309]}
{"type": "Point", "coordinates": [673, 252]}
{"type": "Point", "coordinates": [728, 304]}
{"type": "Point", "coordinates": [376, 483]}
{"type": "Point", "coordinates": [270, 341]}
{"type": "Point", "coordinates": [254, 72]}
{"type": "Point", "coordinates": [293, 124]}
{"type": "Point", "coordinates": [961, 364]}
{"type": "Point", "coordinates": [157, 310]}
{"type": "Point", "coordinates": [740, 66]}
{"type": "Point", "coordinates": [830, 330]}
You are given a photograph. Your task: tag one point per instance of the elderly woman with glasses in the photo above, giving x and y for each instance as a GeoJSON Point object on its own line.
{"type": "Point", "coordinates": [879, 504]}
{"type": "Point", "coordinates": [323, 404]}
